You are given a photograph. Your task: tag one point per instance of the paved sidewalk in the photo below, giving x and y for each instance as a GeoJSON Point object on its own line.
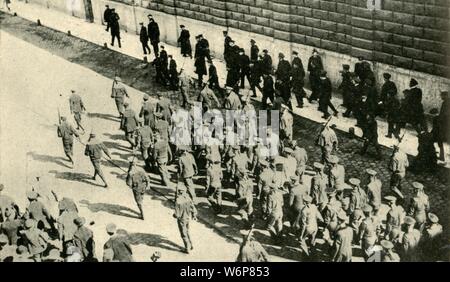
{"type": "Point", "coordinates": [131, 46]}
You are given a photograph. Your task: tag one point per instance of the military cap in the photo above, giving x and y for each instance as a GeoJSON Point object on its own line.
{"type": "Point", "coordinates": [333, 159]}
{"type": "Point", "coordinates": [117, 78]}
{"type": "Point", "coordinates": [113, 9]}
{"type": "Point", "coordinates": [182, 25]}
{"type": "Point", "coordinates": [252, 40]}
{"type": "Point", "coordinates": [371, 171]}
{"type": "Point", "coordinates": [387, 245]}
{"type": "Point", "coordinates": [29, 223]}
{"type": "Point", "coordinates": [162, 46]}
{"type": "Point", "coordinates": [265, 51]}
{"type": "Point", "coordinates": [323, 73]}
{"type": "Point", "coordinates": [3, 239]}
{"type": "Point", "coordinates": [281, 55]}
{"type": "Point", "coordinates": [288, 150]}
{"type": "Point", "coordinates": [342, 215]}
{"type": "Point", "coordinates": [225, 32]}
{"type": "Point", "coordinates": [92, 135]}
{"type": "Point", "coordinates": [241, 50]}
{"type": "Point", "coordinates": [21, 250]}
{"type": "Point", "coordinates": [79, 221]}
{"type": "Point", "coordinates": [318, 165]}
{"type": "Point", "coordinates": [413, 82]}
{"type": "Point", "coordinates": [126, 103]}
{"type": "Point", "coordinates": [409, 220]}
{"type": "Point", "coordinates": [200, 35]}
{"type": "Point", "coordinates": [150, 15]}
{"type": "Point", "coordinates": [158, 114]}
{"type": "Point", "coordinates": [346, 67]}
{"type": "Point", "coordinates": [307, 199]}
{"type": "Point", "coordinates": [417, 185]}
{"type": "Point", "coordinates": [367, 208]}
{"type": "Point", "coordinates": [228, 87]}
{"type": "Point", "coordinates": [264, 163]}
{"type": "Point", "coordinates": [111, 228]}
{"type": "Point", "coordinates": [141, 23]}
{"type": "Point", "coordinates": [32, 195]}
{"type": "Point", "coordinates": [354, 181]}
{"type": "Point", "coordinates": [314, 50]}
{"type": "Point", "coordinates": [209, 61]}
{"type": "Point", "coordinates": [107, 6]}
{"type": "Point", "coordinates": [294, 52]}
{"type": "Point", "coordinates": [294, 177]}
{"type": "Point", "coordinates": [390, 198]}
{"type": "Point", "coordinates": [2, 187]}
{"type": "Point", "coordinates": [146, 97]}
{"type": "Point", "coordinates": [433, 218]}
{"type": "Point", "coordinates": [387, 75]}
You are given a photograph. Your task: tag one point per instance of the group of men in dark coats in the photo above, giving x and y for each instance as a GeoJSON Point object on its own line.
{"type": "Point", "coordinates": [111, 18]}
{"type": "Point", "coordinates": [150, 33]}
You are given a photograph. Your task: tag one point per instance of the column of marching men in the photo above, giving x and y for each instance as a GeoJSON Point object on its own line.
{"type": "Point", "coordinates": [269, 189]}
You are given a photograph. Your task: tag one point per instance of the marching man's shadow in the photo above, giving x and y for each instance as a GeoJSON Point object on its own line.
{"type": "Point", "coordinates": [110, 208]}
{"type": "Point", "coordinates": [75, 176]}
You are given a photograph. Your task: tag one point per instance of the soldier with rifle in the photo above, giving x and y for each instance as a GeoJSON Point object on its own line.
{"type": "Point", "coordinates": [66, 132]}
{"type": "Point", "coordinates": [398, 164]}
{"type": "Point", "coordinates": [251, 250]}
{"type": "Point", "coordinates": [95, 149]}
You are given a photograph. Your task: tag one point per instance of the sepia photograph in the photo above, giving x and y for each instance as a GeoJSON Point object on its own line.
{"type": "Point", "coordinates": [225, 131]}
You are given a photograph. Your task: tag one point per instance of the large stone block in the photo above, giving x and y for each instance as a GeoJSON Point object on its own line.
{"type": "Point", "coordinates": [422, 66]}
{"type": "Point", "coordinates": [434, 34]}
{"type": "Point", "coordinates": [412, 53]}
{"type": "Point", "coordinates": [424, 21]}
{"type": "Point", "coordinates": [217, 13]}
{"type": "Point", "coordinates": [261, 3]}
{"type": "Point", "coordinates": [391, 49]}
{"type": "Point", "coordinates": [243, 9]}
{"type": "Point", "coordinates": [312, 4]}
{"type": "Point", "coordinates": [330, 6]}
{"type": "Point", "coordinates": [298, 38]}
{"type": "Point", "coordinates": [393, 5]}
{"type": "Point", "coordinates": [328, 25]}
{"type": "Point", "coordinates": [402, 62]}
{"type": "Point", "coordinates": [344, 48]}
{"type": "Point", "coordinates": [344, 9]}
{"type": "Point", "coordinates": [319, 33]}
{"type": "Point", "coordinates": [435, 58]}
{"type": "Point", "coordinates": [282, 35]}
{"type": "Point", "coordinates": [362, 12]}
{"type": "Point", "coordinates": [281, 8]}
{"type": "Point", "coordinates": [232, 23]}
{"type": "Point", "coordinates": [244, 26]}
{"type": "Point", "coordinates": [336, 17]}
{"type": "Point", "coordinates": [263, 21]}
{"type": "Point", "coordinates": [384, 15]}
{"type": "Point", "coordinates": [382, 36]}
{"type": "Point", "coordinates": [305, 30]}
{"type": "Point", "coordinates": [255, 11]}
{"type": "Point", "coordinates": [312, 41]}
{"type": "Point", "coordinates": [237, 16]}
{"type": "Point", "coordinates": [362, 33]}
{"type": "Point", "coordinates": [296, 19]}
{"type": "Point", "coordinates": [268, 31]}
{"type": "Point", "coordinates": [402, 18]}
{"type": "Point", "coordinates": [319, 14]}
{"type": "Point", "coordinates": [312, 22]}
{"type": "Point", "coordinates": [357, 52]}
{"type": "Point", "coordinates": [257, 28]}
{"type": "Point", "coordinates": [304, 11]}
{"type": "Point", "coordinates": [250, 18]}
{"type": "Point", "coordinates": [427, 45]}
{"type": "Point", "coordinates": [402, 40]}
{"type": "Point", "coordinates": [217, 4]}
{"type": "Point", "coordinates": [220, 21]}
{"type": "Point", "coordinates": [383, 57]}
{"type": "Point", "coordinates": [329, 45]}
{"type": "Point", "coordinates": [392, 27]}
{"type": "Point", "coordinates": [361, 22]}
{"type": "Point", "coordinates": [443, 71]}
{"type": "Point", "coordinates": [362, 43]}
{"type": "Point", "coordinates": [414, 31]}
{"type": "Point", "coordinates": [277, 25]}
{"type": "Point", "coordinates": [281, 17]}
